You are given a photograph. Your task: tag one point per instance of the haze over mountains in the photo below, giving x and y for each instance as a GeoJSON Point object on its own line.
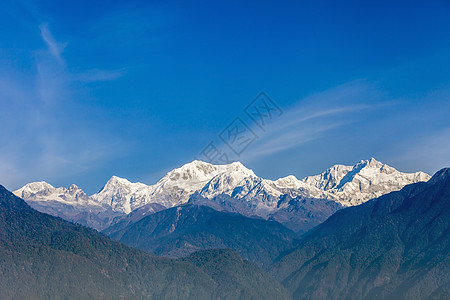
{"type": "Point", "coordinates": [395, 246]}
{"type": "Point", "coordinates": [232, 188]}
{"type": "Point", "coordinates": [179, 231]}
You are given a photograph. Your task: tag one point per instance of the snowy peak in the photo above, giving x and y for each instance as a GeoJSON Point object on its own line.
{"type": "Point", "coordinates": [347, 185]}
{"type": "Point", "coordinates": [328, 179]}
{"type": "Point", "coordinates": [288, 181]}
{"type": "Point", "coordinates": [178, 185]}
{"type": "Point", "coordinates": [174, 188]}
{"type": "Point", "coordinates": [34, 188]}
{"type": "Point", "coordinates": [338, 175]}
{"type": "Point", "coordinates": [196, 173]}
{"type": "Point", "coordinates": [118, 193]}
{"type": "Point", "coordinates": [74, 189]}
{"type": "Point", "coordinates": [115, 182]}
{"type": "Point", "coordinates": [371, 163]}
{"type": "Point", "coordinates": [42, 192]}
{"type": "Point", "coordinates": [353, 185]}
{"type": "Point", "coordinates": [117, 185]}
{"type": "Point", "coordinates": [189, 176]}
{"type": "Point", "coordinates": [193, 171]}
{"type": "Point", "coordinates": [238, 169]}
{"type": "Point", "coordinates": [229, 176]}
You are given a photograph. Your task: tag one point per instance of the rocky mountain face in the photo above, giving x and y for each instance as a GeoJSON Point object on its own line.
{"type": "Point", "coordinates": [245, 192]}
{"type": "Point", "coordinates": [43, 257]}
{"type": "Point", "coordinates": [394, 247]}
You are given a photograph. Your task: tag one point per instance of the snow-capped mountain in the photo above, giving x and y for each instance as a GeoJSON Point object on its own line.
{"type": "Point", "coordinates": [261, 196]}
{"type": "Point", "coordinates": [173, 189]}
{"type": "Point", "coordinates": [178, 185]}
{"type": "Point", "coordinates": [366, 180]}
{"type": "Point", "coordinates": [68, 203]}
{"type": "Point", "coordinates": [120, 194]}
{"type": "Point", "coordinates": [44, 192]}
{"type": "Point", "coordinates": [247, 193]}
{"type": "Point", "coordinates": [347, 185]}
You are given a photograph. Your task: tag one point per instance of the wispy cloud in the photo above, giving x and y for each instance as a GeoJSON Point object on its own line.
{"type": "Point", "coordinates": [43, 139]}
{"type": "Point", "coordinates": [279, 141]}
{"type": "Point", "coordinates": [55, 48]}
{"type": "Point", "coordinates": [315, 116]}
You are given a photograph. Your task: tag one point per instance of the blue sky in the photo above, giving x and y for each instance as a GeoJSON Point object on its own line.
{"type": "Point", "coordinates": [89, 90]}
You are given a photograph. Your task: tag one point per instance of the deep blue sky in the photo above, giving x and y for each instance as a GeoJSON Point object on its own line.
{"type": "Point", "coordinates": [89, 90]}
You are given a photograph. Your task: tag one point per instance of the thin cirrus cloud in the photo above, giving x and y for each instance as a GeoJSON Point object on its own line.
{"type": "Point", "coordinates": [55, 48]}
{"type": "Point", "coordinates": [314, 118]}
{"type": "Point", "coordinates": [45, 138]}
{"type": "Point", "coordinates": [359, 120]}
{"type": "Point", "coordinates": [279, 141]}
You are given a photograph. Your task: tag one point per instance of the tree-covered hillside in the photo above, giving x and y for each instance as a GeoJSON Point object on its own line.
{"type": "Point", "coordinates": [43, 257]}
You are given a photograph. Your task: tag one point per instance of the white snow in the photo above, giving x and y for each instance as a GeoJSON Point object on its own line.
{"type": "Point", "coordinates": [44, 192]}
{"type": "Point", "coordinates": [348, 185]}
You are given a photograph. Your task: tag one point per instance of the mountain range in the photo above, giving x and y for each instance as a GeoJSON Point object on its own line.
{"type": "Point", "coordinates": [306, 234]}
{"type": "Point", "coordinates": [298, 204]}
{"type": "Point", "coordinates": [44, 257]}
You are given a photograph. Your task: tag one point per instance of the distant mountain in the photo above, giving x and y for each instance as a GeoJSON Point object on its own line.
{"type": "Point", "coordinates": [298, 214]}
{"type": "Point", "coordinates": [366, 180]}
{"type": "Point", "coordinates": [246, 193]}
{"type": "Point", "coordinates": [43, 257]}
{"type": "Point", "coordinates": [394, 247]}
{"type": "Point", "coordinates": [178, 231]}
{"type": "Point", "coordinates": [301, 214]}
{"type": "Point", "coordinates": [71, 204]}
{"type": "Point", "coordinates": [173, 189]}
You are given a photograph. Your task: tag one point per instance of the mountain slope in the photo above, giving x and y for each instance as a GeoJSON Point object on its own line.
{"type": "Point", "coordinates": [43, 257]}
{"type": "Point", "coordinates": [299, 214]}
{"type": "Point", "coordinates": [179, 231]}
{"type": "Point", "coordinates": [393, 247]}
{"type": "Point", "coordinates": [212, 262]}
